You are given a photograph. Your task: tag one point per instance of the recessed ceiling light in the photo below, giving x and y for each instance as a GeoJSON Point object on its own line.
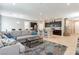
{"type": "Point", "coordinates": [40, 13]}
{"type": "Point", "coordinates": [18, 22]}
{"type": "Point", "coordinates": [13, 3]}
{"type": "Point", "coordinates": [68, 4]}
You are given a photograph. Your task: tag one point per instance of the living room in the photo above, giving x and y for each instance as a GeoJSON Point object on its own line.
{"type": "Point", "coordinates": [39, 29]}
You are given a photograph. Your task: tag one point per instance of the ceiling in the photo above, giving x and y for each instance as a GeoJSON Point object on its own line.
{"type": "Point", "coordinates": [42, 10]}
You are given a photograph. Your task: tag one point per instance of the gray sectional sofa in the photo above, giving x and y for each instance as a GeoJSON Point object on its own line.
{"type": "Point", "coordinates": [15, 49]}
{"type": "Point", "coordinates": [20, 35]}
{"type": "Point", "coordinates": [9, 47]}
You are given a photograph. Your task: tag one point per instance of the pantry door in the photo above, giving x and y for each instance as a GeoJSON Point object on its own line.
{"type": "Point", "coordinates": [70, 27]}
{"type": "Point", "coordinates": [77, 27]}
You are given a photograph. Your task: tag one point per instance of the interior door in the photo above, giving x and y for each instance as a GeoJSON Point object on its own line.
{"type": "Point", "coordinates": [70, 27]}
{"type": "Point", "coordinates": [77, 27]}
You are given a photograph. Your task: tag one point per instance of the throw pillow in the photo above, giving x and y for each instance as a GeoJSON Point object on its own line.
{"type": "Point", "coordinates": [34, 33]}
{"type": "Point", "coordinates": [10, 36]}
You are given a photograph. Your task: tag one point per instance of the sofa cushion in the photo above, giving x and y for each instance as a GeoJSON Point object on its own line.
{"type": "Point", "coordinates": [25, 32]}
{"type": "Point", "coordinates": [21, 47]}
{"type": "Point", "coordinates": [8, 41]}
{"type": "Point", "coordinates": [19, 33]}
{"type": "Point", "coordinates": [11, 33]}
{"type": "Point", "coordinates": [4, 36]}
{"type": "Point", "coordinates": [16, 33]}
{"type": "Point", "coordinates": [1, 44]}
{"type": "Point", "coordinates": [10, 50]}
{"type": "Point", "coordinates": [0, 37]}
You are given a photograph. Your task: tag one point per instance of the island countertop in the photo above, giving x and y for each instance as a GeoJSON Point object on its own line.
{"type": "Point", "coordinates": [69, 41]}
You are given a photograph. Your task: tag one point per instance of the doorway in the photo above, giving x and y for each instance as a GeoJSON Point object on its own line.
{"type": "Point", "coordinates": [34, 26]}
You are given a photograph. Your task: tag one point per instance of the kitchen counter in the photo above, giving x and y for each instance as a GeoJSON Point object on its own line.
{"type": "Point", "coordinates": [69, 41]}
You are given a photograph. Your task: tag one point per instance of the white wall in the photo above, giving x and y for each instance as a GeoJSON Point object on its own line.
{"type": "Point", "coordinates": [8, 23]}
